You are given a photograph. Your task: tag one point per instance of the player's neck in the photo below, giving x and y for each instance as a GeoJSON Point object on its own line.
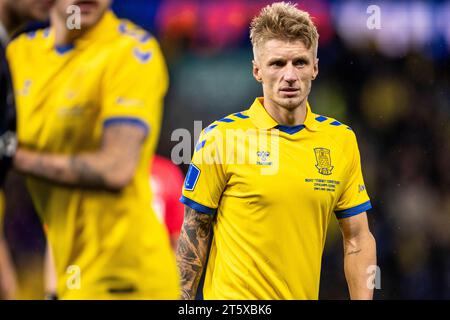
{"type": "Point", "coordinates": [284, 116]}
{"type": "Point", "coordinates": [64, 35]}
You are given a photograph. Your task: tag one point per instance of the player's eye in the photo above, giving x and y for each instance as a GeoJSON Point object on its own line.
{"type": "Point", "coordinates": [277, 63]}
{"type": "Point", "coordinates": [300, 62]}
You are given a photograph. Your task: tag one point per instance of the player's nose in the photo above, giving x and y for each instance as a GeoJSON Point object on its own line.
{"type": "Point", "coordinates": [290, 74]}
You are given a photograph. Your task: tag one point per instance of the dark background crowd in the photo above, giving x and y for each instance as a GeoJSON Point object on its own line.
{"type": "Point", "coordinates": [389, 81]}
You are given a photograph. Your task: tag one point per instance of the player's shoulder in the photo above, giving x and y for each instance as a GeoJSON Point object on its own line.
{"type": "Point", "coordinates": [234, 121]}
{"type": "Point", "coordinates": [132, 35]}
{"type": "Point", "coordinates": [133, 41]}
{"type": "Point", "coordinates": [34, 38]}
{"type": "Point", "coordinates": [334, 127]}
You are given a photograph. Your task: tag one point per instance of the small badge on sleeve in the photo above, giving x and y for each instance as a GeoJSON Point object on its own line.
{"type": "Point", "coordinates": [191, 177]}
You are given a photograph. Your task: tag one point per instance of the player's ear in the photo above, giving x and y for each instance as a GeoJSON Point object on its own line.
{"type": "Point", "coordinates": [315, 68]}
{"type": "Point", "coordinates": [256, 71]}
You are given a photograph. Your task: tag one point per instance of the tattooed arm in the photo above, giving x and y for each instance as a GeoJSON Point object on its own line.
{"type": "Point", "coordinates": [359, 254]}
{"type": "Point", "coordinates": [111, 167]}
{"type": "Point", "coordinates": [192, 249]}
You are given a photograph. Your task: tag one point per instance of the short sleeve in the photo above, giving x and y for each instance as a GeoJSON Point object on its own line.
{"type": "Point", "coordinates": [134, 85]}
{"type": "Point", "coordinates": [206, 179]}
{"type": "Point", "coordinates": [354, 198]}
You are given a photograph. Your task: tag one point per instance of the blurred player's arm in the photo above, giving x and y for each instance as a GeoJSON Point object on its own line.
{"type": "Point", "coordinates": [7, 272]}
{"type": "Point", "coordinates": [111, 167]}
{"type": "Point", "coordinates": [359, 254]}
{"type": "Point", "coordinates": [50, 279]}
{"type": "Point", "coordinates": [193, 243]}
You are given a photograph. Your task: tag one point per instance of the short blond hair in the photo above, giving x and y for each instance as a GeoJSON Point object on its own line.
{"type": "Point", "coordinates": [283, 21]}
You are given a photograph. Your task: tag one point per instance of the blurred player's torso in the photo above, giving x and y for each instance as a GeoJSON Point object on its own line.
{"type": "Point", "coordinates": [65, 97]}
{"type": "Point", "coordinates": [280, 188]}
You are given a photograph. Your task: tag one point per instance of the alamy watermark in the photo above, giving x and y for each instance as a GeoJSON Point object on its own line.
{"type": "Point", "coordinates": [374, 277]}
{"type": "Point", "coordinates": [227, 146]}
{"type": "Point", "coordinates": [374, 20]}
{"type": "Point", "coordinates": [74, 17]}
{"type": "Point", "coordinates": [73, 277]}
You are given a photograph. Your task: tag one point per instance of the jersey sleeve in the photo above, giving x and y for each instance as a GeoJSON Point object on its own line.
{"type": "Point", "coordinates": [134, 85]}
{"type": "Point", "coordinates": [354, 198]}
{"type": "Point", "coordinates": [206, 178]}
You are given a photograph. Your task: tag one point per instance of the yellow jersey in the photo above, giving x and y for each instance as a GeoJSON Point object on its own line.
{"type": "Point", "coordinates": [273, 189]}
{"type": "Point", "coordinates": [106, 245]}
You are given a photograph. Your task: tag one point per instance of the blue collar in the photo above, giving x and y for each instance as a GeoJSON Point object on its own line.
{"type": "Point", "coordinates": [290, 129]}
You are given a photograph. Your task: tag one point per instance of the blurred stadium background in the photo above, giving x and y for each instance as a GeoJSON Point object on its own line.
{"type": "Point", "coordinates": [391, 85]}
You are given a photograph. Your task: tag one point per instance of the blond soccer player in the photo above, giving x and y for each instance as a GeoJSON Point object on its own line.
{"type": "Point", "coordinates": [262, 222]}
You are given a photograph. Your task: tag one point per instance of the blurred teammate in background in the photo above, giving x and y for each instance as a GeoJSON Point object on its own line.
{"type": "Point", "coordinates": [269, 215]}
{"type": "Point", "coordinates": [14, 16]}
{"type": "Point", "coordinates": [166, 181]}
{"type": "Point", "coordinates": [89, 94]}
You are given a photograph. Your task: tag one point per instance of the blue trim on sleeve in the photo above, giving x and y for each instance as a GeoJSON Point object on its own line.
{"type": "Point", "coordinates": [197, 206]}
{"type": "Point", "coordinates": [128, 120]}
{"type": "Point", "coordinates": [354, 210]}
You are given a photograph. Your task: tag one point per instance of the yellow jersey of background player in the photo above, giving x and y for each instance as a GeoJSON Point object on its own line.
{"type": "Point", "coordinates": [89, 103]}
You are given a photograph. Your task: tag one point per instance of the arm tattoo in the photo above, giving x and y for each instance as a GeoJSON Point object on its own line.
{"type": "Point", "coordinates": [111, 167]}
{"type": "Point", "coordinates": [86, 173]}
{"type": "Point", "coordinates": [192, 250]}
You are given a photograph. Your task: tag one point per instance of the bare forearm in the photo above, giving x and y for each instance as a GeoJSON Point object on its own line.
{"type": "Point", "coordinates": [111, 167]}
{"type": "Point", "coordinates": [82, 170]}
{"type": "Point", "coordinates": [192, 250]}
{"type": "Point", "coordinates": [7, 272]}
{"type": "Point", "coordinates": [360, 254]}
{"type": "Point", "coordinates": [49, 272]}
